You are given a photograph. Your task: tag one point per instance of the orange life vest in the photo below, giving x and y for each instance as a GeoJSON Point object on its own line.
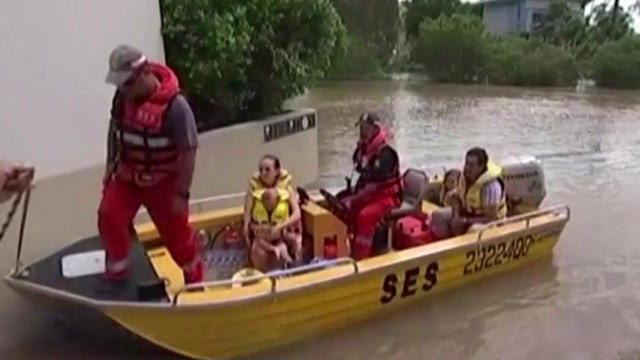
{"type": "Point", "coordinates": [147, 154]}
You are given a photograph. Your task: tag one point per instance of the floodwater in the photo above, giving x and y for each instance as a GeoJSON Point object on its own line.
{"type": "Point", "coordinates": [583, 303]}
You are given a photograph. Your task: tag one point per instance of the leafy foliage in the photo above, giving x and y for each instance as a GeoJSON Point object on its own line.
{"type": "Point", "coordinates": [582, 35]}
{"type": "Point", "coordinates": [457, 49]}
{"type": "Point", "coordinates": [530, 63]}
{"type": "Point", "coordinates": [616, 63]}
{"type": "Point", "coordinates": [417, 11]}
{"type": "Point", "coordinates": [360, 62]}
{"type": "Point", "coordinates": [375, 24]}
{"type": "Point", "coordinates": [241, 59]}
{"type": "Point", "coordinates": [451, 48]}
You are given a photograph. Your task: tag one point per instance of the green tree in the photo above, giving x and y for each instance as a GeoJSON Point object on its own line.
{"type": "Point", "coordinates": [416, 11]}
{"type": "Point", "coordinates": [241, 59]}
{"type": "Point", "coordinates": [375, 22]}
{"type": "Point", "coordinates": [208, 44]}
{"type": "Point", "coordinates": [616, 63]}
{"type": "Point", "coordinates": [604, 26]}
{"type": "Point", "coordinates": [295, 42]}
{"type": "Point", "coordinates": [562, 26]}
{"type": "Point", "coordinates": [451, 48]}
{"type": "Point", "coordinates": [547, 65]}
{"type": "Point", "coordinates": [513, 60]}
{"type": "Point", "coordinates": [359, 62]}
{"type": "Point", "coordinates": [567, 29]}
{"type": "Point", "coordinates": [582, 35]}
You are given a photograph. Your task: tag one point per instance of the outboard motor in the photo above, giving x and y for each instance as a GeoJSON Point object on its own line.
{"type": "Point", "coordinates": [524, 182]}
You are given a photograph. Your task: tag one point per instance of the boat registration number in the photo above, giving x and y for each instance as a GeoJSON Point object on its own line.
{"type": "Point", "coordinates": [498, 254]}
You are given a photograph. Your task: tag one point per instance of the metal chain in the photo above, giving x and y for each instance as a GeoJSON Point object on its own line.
{"type": "Point", "coordinates": [12, 212]}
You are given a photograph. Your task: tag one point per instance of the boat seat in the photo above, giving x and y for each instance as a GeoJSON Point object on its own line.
{"type": "Point", "coordinates": [415, 184]}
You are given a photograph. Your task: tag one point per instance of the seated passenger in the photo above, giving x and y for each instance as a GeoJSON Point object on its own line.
{"type": "Point", "coordinates": [273, 221]}
{"type": "Point", "coordinates": [378, 188]}
{"type": "Point", "coordinates": [272, 237]}
{"type": "Point", "coordinates": [449, 194]}
{"type": "Point", "coordinates": [269, 175]}
{"type": "Point", "coordinates": [481, 195]}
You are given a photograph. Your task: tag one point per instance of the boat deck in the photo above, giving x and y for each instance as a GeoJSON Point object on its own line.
{"type": "Point", "coordinates": [48, 272]}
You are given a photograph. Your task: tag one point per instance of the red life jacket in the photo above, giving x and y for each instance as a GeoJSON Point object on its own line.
{"type": "Point", "coordinates": [366, 155]}
{"type": "Point", "coordinates": [147, 153]}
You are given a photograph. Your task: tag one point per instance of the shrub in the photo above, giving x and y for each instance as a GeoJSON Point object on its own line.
{"type": "Point", "coordinates": [515, 61]}
{"type": "Point", "coordinates": [616, 64]}
{"type": "Point", "coordinates": [451, 48]}
{"type": "Point", "coordinates": [360, 61]}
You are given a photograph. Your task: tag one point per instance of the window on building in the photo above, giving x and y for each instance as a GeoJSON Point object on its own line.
{"type": "Point", "coordinates": [536, 20]}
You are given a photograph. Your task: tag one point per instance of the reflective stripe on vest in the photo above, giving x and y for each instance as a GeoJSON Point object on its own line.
{"type": "Point", "coordinates": [280, 214]}
{"type": "Point", "coordinates": [473, 195]}
{"type": "Point", "coordinates": [148, 153]}
{"type": "Point", "coordinates": [138, 140]}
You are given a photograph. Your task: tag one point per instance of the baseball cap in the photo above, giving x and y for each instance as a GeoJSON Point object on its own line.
{"type": "Point", "coordinates": [123, 62]}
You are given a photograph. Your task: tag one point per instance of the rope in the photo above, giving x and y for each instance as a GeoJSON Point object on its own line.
{"type": "Point", "coordinates": [10, 215]}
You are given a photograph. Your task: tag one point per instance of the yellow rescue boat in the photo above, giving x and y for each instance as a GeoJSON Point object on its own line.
{"type": "Point", "coordinates": [250, 312]}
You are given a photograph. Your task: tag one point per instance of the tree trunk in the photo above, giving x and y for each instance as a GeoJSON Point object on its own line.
{"type": "Point", "coordinates": [612, 28]}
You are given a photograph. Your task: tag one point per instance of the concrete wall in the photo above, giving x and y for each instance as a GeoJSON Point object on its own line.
{"type": "Point", "coordinates": [54, 102]}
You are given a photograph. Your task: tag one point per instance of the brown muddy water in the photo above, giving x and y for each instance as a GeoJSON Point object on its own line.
{"type": "Point", "coordinates": [583, 303]}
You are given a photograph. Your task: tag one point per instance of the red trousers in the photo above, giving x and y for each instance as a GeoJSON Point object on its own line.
{"type": "Point", "coordinates": [367, 213]}
{"type": "Point", "coordinates": [120, 203]}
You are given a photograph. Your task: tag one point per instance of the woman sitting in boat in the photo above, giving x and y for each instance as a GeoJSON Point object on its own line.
{"type": "Point", "coordinates": [272, 217]}
{"type": "Point", "coordinates": [482, 198]}
{"type": "Point", "coordinates": [270, 174]}
{"type": "Point", "coordinates": [272, 237]}
{"type": "Point", "coordinates": [379, 186]}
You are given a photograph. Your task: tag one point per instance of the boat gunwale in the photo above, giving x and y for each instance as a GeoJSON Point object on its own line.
{"type": "Point", "coordinates": [413, 255]}
{"type": "Point", "coordinates": [471, 241]}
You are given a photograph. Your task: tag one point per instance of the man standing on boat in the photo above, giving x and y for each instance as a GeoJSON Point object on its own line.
{"type": "Point", "coordinates": [378, 187]}
{"type": "Point", "coordinates": [14, 178]}
{"type": "Point", "coordinates": [150, 161]}
{"type": "Point", "coordinates": [482, 194]}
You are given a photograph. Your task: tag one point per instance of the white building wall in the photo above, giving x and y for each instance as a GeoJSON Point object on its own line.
{"type": "Point", "coordinates": [54, 54]}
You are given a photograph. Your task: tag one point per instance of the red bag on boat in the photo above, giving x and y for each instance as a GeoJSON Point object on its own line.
{"type": "Point", "coordinates": [411, 231]}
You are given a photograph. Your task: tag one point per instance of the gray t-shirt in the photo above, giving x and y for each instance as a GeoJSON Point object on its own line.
{"type": "Point", "coordinates": [180, 125]}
